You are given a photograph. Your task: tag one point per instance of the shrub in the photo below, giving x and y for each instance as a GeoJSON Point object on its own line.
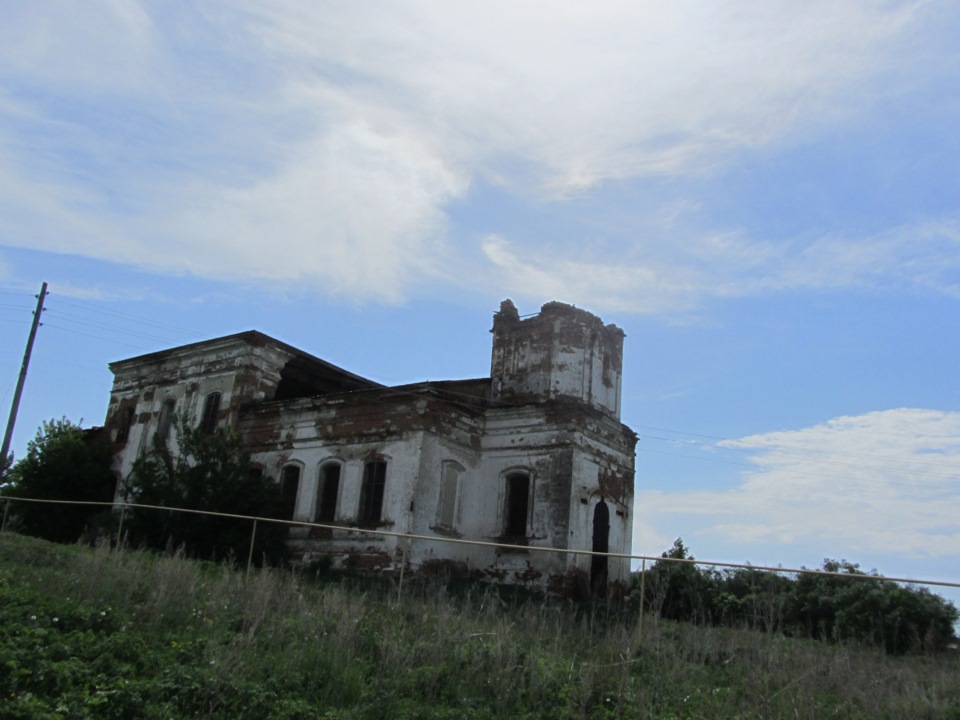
{"type": "Point", "coordinates": [210, 472]}
{"type": "Point", "coordinates": [63, 462]}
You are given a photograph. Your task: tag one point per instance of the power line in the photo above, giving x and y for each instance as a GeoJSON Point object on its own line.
{"type": "Point", "coordinates": [473, 400]}
{"type": "Point", "coordinates": [794, 471]}
{"type": "Point", "coordinates": [803, 457]}
{"type": "Point", "coordinates": [95, 337]}
{"type": "Point", "coordinates": [192, 333]}
{"type": "Point", "coordinates": [716, 446]}
{"type": "Point", "coordinates": [104, 326]}
{"type": "Point", "coordinates": [56, 362]}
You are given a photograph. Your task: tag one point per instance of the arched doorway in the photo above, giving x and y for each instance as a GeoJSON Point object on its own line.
{"type": "Point", "coordinates": [601, 544]}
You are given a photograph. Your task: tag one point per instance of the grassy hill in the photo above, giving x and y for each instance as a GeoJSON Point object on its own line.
{"type": "Point", "coordinates": [96, 633]}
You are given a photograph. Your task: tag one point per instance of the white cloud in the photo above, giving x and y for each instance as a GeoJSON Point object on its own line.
{"type": "Point", "coordinates": [679, 279]}
{"type": "Point", "coordinates": [884, 482]}
{"type": "Point", "coordinates": [594, 284]}
{"type": "Point", "coordinates": [303, 223]}
{"type": "Point", "coordinates": [302, 143]}
{"type": "Point", "coordinates": [98, 46]}
{"type": "Point", "coordinates": [592, 92]}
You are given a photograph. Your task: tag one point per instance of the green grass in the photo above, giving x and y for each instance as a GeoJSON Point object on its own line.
{"type": "Point", "coordinates": [96, 633]}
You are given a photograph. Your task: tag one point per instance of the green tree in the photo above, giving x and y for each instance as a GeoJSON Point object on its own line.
{"type": "Point", "coordinates": [63, 462]}
{"type": "Point", "coordinates": [748, 597]}
{"type": "Point", "coordinates": [677, 590]}
{"type": "Point", "coordinates": [209, 472]}
{"type": "Point", "coordinates": [876, 611]}
{"type": "Point", "coordinates": [824, 606]}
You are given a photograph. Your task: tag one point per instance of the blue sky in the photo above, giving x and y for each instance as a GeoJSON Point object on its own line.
{"type": "Point", "coordinates": [763, 194]}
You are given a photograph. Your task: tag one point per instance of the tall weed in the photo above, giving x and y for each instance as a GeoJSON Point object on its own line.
{"type": "Point", "coordinates": [106, 633]}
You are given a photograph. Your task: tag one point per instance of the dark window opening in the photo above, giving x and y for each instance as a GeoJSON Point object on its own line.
{"type": "Point", "coordinates": [601, 544]}
{"type": "Point", "coordinates": [126, 422]}
{"type": "Point", "coordinates": [518, 505]}
{"type": "Point", "coordinates": [371, 493]}
{"type": "Point", "coordinates": [327, 498]}
{"type": "Point", "coordinates": [290, 486]}
{"type": "Point", "coordinates": [211, 407]}
{"type": "Point", "coordinates": [166, 419]}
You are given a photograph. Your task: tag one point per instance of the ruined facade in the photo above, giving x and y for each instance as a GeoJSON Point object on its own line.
{"type": "Point", "coordinates": [533, 456]}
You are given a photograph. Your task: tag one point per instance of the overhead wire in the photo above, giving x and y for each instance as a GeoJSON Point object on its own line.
{"type": "Point", "coordinates": [192, 333]}
{"type": "Point", "coordinates": [802, 456]}
{"type": "Point", "coordinates": [95, 337]}
{"type": "Point", "coordinates": [472, 400]}
{"type": "Point", "coordinates": [104, 326]}
{"type": "Point", "coordinates": [797, 471]}
{"type": "Point", "coordinates": [727, 439]}
{"type": "Point", "coordinates": [120, 328]}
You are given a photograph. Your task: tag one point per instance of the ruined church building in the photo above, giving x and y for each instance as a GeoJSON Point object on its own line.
{"type": "Point", "coordinates": [533, 456]}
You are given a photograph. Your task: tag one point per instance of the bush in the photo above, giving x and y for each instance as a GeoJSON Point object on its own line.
{"type": "Point", "coordinates": [827, 607]}
{"type": "Point", "coordinates": [63, 462]}
{"type": "Point", "coordinates": [209, 472]}
{"type": "Point", "coordinates": [899, 619]}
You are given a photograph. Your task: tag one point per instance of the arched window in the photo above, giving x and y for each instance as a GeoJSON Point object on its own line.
{"type": "Point", "coordinates": [449, 492]}
{"type": "Point", "coordinates": [289, 488]}
{"type": "Point", "coordinates": [211, 407]}
{"type": "Point", "coordinates": [516, 511]}
{"type": "Point", "coordinates": [371, 492]}
{"type": "Point", "coordinates": [601, 544]}
{"type": "Point", "coordinates": [327, 491]}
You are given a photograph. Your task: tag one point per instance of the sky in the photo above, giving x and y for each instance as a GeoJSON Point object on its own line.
{"type": "Point", "coordinates": [763, 194]}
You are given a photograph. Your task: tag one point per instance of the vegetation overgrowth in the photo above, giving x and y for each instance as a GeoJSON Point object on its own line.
{"type": "Point", "coordinates": [206, 471]}
{"type": "Point", "coordinates": [107, 633]}
{"type": "Point", "coordinates": [203, 471]}
{"type": "Point", "coordinates": [62, 463]}
{"type": "Point", "coordinates": [210, 471]}
{"type": "Point", "coordinates": [899, 619]}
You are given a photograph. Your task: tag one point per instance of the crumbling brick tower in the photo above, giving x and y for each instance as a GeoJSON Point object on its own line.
{"type": "Point", "coordinates": [563, 368]}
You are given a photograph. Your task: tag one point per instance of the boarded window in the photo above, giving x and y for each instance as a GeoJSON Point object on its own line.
{"type": "Point", "coordinates": [449, 487]}
{"type": "Point", "coordinates": [166, 419]}
{"type": "Point", "coordinates": [371, 493]}
{"type": "Point", "coordinates": [327, 492]}
{"type": "Point", "coordinates": [290, 486]}
{"type": "Point", "coordinates": [517, 506]}
{"type": "Point", "coordinates": [211, 408]}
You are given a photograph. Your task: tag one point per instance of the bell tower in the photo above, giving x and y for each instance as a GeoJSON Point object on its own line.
{"type": "Point", "coordinates": [561, 353]}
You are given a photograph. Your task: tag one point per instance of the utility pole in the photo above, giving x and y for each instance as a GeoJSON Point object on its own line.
{"type": "Point", "coordinates": [23, 375]}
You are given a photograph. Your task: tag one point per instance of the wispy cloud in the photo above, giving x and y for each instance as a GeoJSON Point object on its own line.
{"type": "Point", "coordinates": [298, 143]}
{"type": "Point", "coordinates": [884, 482]}
{"type": "Point", "coordinates": [705, 267]}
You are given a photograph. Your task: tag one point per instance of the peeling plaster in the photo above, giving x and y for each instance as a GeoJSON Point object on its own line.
{"type": "Point", "coordinates": [550, 410]}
